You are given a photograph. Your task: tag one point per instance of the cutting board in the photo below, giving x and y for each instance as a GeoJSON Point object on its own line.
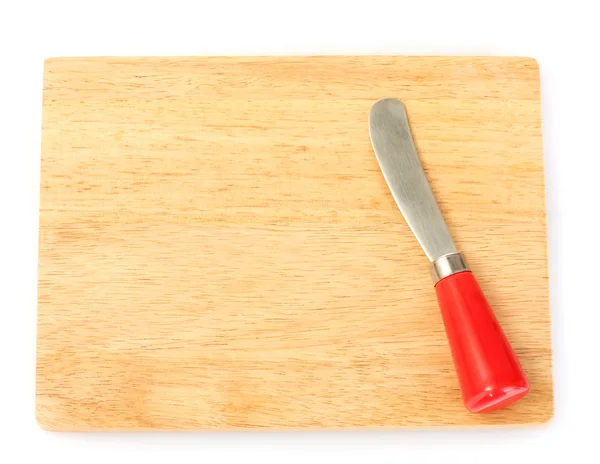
{"type": "Point", "coordinates": [219, 249]}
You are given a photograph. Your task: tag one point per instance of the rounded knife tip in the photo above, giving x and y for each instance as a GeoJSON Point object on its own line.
{"type": "Point", "coordinates": [387, 102]}
{"type": "Point", "coordinates": [385, 106]}
{"type": "Point", "coordinates": [381, 111]}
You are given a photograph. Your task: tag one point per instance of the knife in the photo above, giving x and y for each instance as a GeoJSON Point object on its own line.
{"type": "Point", "coordinates": [488, 370]}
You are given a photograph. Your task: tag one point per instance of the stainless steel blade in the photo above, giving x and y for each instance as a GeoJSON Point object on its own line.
{"type": "Point", "coordinates": [402, 170]}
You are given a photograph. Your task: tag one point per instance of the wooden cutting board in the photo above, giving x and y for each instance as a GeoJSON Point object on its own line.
{"type": "Point", "coordinates": [219, 249]}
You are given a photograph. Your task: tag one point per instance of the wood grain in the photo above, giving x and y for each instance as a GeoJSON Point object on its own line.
{"type": "Point", "coordinates": [219, 249]}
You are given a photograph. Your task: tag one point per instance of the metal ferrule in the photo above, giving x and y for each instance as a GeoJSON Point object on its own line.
{"type": "Point", "coordinates": [447, 265]}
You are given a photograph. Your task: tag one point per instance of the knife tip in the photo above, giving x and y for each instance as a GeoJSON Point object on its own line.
{"type": "Point", "coordinates": [383, 112]}
{"type": "Point", "coordinates": [385, 106]}
{"type": "Point", "coordinates": [387, 102]}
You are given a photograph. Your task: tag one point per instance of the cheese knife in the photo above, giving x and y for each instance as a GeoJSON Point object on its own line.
{"type": "Point", "coordinates": [488, 370]}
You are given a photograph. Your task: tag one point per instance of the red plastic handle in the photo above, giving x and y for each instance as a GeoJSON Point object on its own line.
{"type": "Point", "coordinates": [489, 373]}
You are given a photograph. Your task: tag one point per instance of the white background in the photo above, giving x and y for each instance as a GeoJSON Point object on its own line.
{"type": "Point", "coordinates": [562, 36]}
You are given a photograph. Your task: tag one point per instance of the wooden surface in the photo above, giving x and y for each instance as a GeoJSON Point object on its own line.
{"type": "Point", "coordinates": [219, 249]}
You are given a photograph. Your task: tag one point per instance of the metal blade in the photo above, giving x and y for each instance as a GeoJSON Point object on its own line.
{"type": "Point", "coordinates": [402, 170]}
